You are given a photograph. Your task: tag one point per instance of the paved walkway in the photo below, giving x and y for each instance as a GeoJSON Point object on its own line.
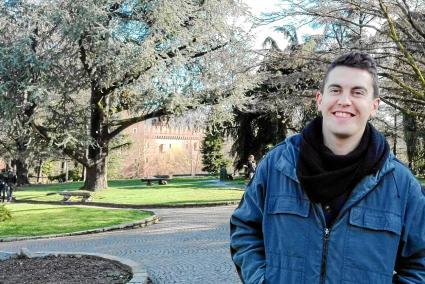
{"type": "Point", "coordinates": [188, 245]}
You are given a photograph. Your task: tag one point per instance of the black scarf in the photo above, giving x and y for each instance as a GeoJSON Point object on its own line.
{"type": "Point", "coordinates": [325, 176]}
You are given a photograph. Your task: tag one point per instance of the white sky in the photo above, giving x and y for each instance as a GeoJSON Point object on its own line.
{"type": "Point", "coordinates": [257, 7]}
{"type": "Point", "coordinates": [260, 6]}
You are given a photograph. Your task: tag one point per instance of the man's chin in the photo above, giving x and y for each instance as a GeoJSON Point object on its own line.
{"type": "Point", "coordinates": [343, 135]}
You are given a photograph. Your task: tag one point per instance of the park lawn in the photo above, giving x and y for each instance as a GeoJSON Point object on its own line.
{"type": "Point", "coordinates": [179, 191]}
{"type": "Point", "coordinates": [38, 220]}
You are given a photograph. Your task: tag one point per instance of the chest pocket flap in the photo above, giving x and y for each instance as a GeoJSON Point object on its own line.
{"type": "Point", "coordinates": [289, 205]}
{"type": "Point", "coordinates": [375, 220]}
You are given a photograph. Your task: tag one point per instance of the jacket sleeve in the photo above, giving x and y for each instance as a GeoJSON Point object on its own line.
{"type": "Point", "coordinates": [410, 264]}
{"type": "Point", "coordinates": [246, 235]}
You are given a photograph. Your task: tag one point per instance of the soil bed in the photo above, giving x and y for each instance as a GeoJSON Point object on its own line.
{"type": "Point", "coordinates": [63, 269]}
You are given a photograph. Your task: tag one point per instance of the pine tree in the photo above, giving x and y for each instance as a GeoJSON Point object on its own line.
{"type": "Point", "coordinates": [212, 151]}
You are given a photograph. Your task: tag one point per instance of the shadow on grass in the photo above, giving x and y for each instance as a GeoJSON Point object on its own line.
{"type": "Point", "coordinates": [53, 186]}
{"type": "Point", "coordinates": [38, 196]}
{"type": "Point", "coordinates": [176, 186]}
{"type": "Point", "coordinates": [42, 192]}
{"type": "Point", "coordinates": [197, 201]}
{"type": "Point", "coordinates": [132, 182]}
{"type": "Point", "coordinates": [206, 183]}
{"type": "Point", "coordinates": [43, 209]}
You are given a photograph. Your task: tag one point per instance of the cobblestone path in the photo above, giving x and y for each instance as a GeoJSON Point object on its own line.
{"type": "Point", "coordinates": [188, 245]}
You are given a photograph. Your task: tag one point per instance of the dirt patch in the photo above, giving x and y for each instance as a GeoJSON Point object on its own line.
{"type": "Point", "coordinates": [63, 269]}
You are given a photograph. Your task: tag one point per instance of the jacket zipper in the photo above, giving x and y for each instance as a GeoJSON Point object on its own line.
{"type": "Point", "coordinates": [324, 255]}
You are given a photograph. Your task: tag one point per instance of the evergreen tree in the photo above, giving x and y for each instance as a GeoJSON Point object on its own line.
{"type": "Point", "coordinates": [84, 70]}
{"type": "Point", "coordinates": [212, 151]}
{"type": "Point", "coordinates": [282, 103]}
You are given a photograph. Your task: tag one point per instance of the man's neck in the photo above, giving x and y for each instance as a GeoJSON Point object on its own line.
{"type": "Point", "coordinates": [341, 145]}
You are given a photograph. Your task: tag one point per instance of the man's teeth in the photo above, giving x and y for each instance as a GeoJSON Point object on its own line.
{"type": "Point", "coordinates": [342, 114]}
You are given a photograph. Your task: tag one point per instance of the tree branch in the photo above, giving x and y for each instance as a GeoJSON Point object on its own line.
{"type": "Point", "coordinates": [407, 54]}
{"type": "Point", "coordinates": [130, 78]}
{"type": "Point", "coordinates": [83, 57]}
{"type": "Point", "coordinates": [402, 108]}
{"type": "Point", "coordinates": [43, 132]}
{"type": "Point", "coordinates": [408, 14]}
{"type": "Point", "coordinates": [120, 146]}
{"type": "Point", "coordinates": [123, 124]}
{"type": "Point", "coordinates": [403, 85]}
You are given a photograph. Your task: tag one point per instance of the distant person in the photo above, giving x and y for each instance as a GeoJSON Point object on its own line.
{"type": "Point", "coordinates": [251, 166]}
{"type": "Point", "coordinates": [7, 180]}
{"type": "Point", "coordinates": [332, 204]}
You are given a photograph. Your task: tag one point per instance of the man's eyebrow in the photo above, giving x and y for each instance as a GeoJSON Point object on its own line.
{"type": "Point", "coordinates": [360, 87]}
{"type": "Point", "coordinates": [334, 86]}
{"type": "Point", "coordinates": [339, 86]}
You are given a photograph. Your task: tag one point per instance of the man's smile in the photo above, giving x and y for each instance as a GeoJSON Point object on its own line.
{"type": "Point", "coordinates": [343, 114]}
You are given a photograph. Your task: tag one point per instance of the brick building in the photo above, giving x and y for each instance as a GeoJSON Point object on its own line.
{"type": "Point", "coordinates": [158, 149]}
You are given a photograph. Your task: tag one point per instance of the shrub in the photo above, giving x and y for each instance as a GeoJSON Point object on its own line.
{"type": "Point", "coordinates": [4, 213]}
{"type": "Point", "coordinates": [73, 175]}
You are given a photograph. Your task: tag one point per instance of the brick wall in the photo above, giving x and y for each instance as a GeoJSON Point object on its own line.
{"type": "Point", "coordinates": [158, 149]}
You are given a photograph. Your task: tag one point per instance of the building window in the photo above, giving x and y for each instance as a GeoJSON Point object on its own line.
{"type": "Point", "coordinates": [134, 130]}
{"type": "Point", "coordinates": [195, 146]}
{"type": "Point", "coordinates": [162, 148]}
{"type": "Point", "coordinates": [170, 146]}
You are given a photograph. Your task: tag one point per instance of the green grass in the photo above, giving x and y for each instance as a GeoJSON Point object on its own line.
{"type": "Point", "coordinates": [178, 191]}
{"type": "Point", "coordinates": [37, 220]}
{"type": "Point", "coordinates": [422, 180]}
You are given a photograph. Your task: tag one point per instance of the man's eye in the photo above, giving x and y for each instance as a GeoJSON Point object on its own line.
{"type": "Point", "coordinates": [358, 93]}
{"type": "Point", "coordinates": [334, 91]}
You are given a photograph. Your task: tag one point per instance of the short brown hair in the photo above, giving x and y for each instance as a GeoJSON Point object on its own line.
{"type": "Point", "coordinates": [359, 60]}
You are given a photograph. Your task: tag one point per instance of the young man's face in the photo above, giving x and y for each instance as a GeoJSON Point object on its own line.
{"type": "Point", "coordinates": [347, 102]}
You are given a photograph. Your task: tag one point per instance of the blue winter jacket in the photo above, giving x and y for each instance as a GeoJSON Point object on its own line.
{"type": "Point", "coordinates": [279, 236]}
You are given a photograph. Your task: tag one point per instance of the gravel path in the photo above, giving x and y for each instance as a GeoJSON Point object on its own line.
{"type": "Point", "coordinates": [188, 245]}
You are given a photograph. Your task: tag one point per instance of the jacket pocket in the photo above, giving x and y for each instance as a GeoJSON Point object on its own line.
{"type": "Point", "coordinates": [286, 230]}
{"type": "Point", "coordinates": [359, 276]}
{"type": "Point", "coordinates": [375, 220]}
{"type": "Point", "coordinates": [288, 205]}
{"type": "Point", "coordinates": [282, 268]}
{"type": "Point", "coordinates": [371, 245]}
{"type": "Point", "coordinates": [287, 225]}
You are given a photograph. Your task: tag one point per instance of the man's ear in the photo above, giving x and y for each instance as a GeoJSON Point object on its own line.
{"type": "Point", "coordinates": [318, 99]}
{"type": "Point", "coordinates": [375, 105]}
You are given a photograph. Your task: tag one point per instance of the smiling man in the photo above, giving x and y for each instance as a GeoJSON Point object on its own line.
{"type": "Point", "coordinates": [332, 204]}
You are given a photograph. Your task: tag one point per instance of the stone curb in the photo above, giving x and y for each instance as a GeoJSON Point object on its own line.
{"type": "Point", "coordinates": [140, 275]}
{"type": "Point", "coordinates": [138, 224]}
{"type": "Point", "coordinates": [130, 206]}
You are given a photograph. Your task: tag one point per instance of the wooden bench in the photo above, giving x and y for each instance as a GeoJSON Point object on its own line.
{"type": "Point", "coordinates": [85, 195]}
{"type": "Point", "coordinates": [162, 180]}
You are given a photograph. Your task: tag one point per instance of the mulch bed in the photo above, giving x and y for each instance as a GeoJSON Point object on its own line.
{"type": "Point", "coordinates": [63, 269]}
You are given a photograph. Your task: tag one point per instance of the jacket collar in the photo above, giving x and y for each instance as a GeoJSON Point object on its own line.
{"type": "Point", "coordinates": [288, 160]}
{"type": "Point", "coordinates": [368, 183]}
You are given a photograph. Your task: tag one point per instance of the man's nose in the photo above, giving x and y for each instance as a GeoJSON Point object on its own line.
{"type": "Point", "coordinates": [344, 99]}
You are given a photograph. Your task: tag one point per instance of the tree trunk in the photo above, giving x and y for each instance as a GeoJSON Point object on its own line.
{"type": "Point", "coordinates": [97, 153]}
{"type": "Point", "coordinates": [39, 169]}
{"type": "Point", "coordinates": [96, 176]}
{"type": "Point", "coordinates": [21, 162]}
{"type": "Point", "coordinates": [65, 169]}
{"type": "Point", "coordinates": [21, 172]}
{"type": "Point", "coordinates": [395, 136]}
{"type": "Point", "coordinates": [411, 138]}
{"type": "Point", "coordinates": [83, 174]}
